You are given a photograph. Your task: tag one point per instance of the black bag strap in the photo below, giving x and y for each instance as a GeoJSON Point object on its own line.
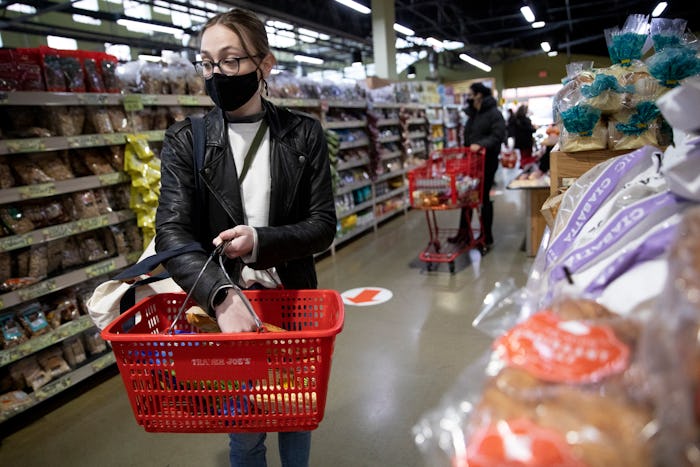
{"type": "Point", "coordinates": [129, 298]}
{"type": "Point", "coordinates": [148, 264]}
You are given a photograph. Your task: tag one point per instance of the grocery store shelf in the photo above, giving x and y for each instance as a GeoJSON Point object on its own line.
{"type": "Point", "coordinates": [353, 233]}
{"type": "Point", "coordinates": [354, 144]}
{"type": "Point", "coordinates": [67, 229]}
{"type": "Point", "coordinates": [62, 383]}
{"type": "Point", "coordinates": [416, 121]}
{"type": "Point", "coordinates": [390, 155]}
{"type": "Point", "coordinates": [391, 194]}
{"type": "Point", "coordinates": [69, 279]}
{"type": "Point", "coordinates": [39, 98]}
{"type": "Point", "coordinates": [386, 105]}
{"type": "Point", "coordinates": [55, 143]}
{"type": "Point", "coordinates": [296, 102]}
{"type": "Point", "coordinates": [388, 175]}
{"type": "Point", "coordinates": [41, 190]}
{"type": "Point", "coordinates": [347, 104]}
{"type": "Point", "coordinates": [390, 214]}
{"type": "Point", "coordinates": [61, 333]}
{"type": "Point", "coordinates": [388, 122]}
{"type": "Point", "coordinates": [389, 139]}
{"type": "Point", "coordinates": [358, 208]}
{"type": "Point", "coordinates": [354, 186]}
{"type": "Point", "coordinates": [352, 164]}
{"type": "Point", "coordinates": [346, 124]}
{"type": "Point", "coordinates": [417, 134]}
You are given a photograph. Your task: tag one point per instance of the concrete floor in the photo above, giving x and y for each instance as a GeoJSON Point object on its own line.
{"type": "Point", "coordinates": [392, 362]}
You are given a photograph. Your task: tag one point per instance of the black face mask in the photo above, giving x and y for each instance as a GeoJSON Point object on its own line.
{"type": "Point", "coordinates": [231, 92]}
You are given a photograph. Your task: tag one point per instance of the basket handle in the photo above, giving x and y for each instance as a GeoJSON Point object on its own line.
{"type": "Point", "coordinates": [218, 251]}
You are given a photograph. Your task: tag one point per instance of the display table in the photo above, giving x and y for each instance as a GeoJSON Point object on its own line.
{"type": "Point", "coordinates": [536, 193]}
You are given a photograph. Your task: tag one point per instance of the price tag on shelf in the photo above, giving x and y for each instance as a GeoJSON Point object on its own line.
{"type": "Point", "coordinates": [113, 178]}
{"type": "Point", "coordinates": [187, 100]}
{"type": "Point", "coordinates": [92, 223]}
{"type": "Point", "coordinates": [101, 269]}
{"type": "Point", "coordinates": [25, 145]}
{"type": "Point", "coordinates": [92, 98]}
{"type": "Point", "coordinates": [85, 141]}
{"type": "Point", "coordinates": [133, 103]}
{"type": "Point", "coordinates": [150, 99]}
{"type": "Point", "coordinates": [37, 290]}
{"type": "Point", "coordinates": [37, 191]}
{"type": "Point", "coordinates": [114, 138]}
{"type": "Point", "coordinates": [16, 241]}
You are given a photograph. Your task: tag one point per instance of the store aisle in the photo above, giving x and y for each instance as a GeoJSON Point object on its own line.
{"type": "Point", "coordinates": [392, 362]}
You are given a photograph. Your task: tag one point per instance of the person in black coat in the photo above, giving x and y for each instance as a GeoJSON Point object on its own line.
{"type": "Point", "coordinates": [522, 130]}
{"type": "Point", "coordinates": [485, 128]}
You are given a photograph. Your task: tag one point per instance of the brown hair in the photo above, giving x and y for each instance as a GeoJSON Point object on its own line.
{"type": "Point", "coordinates": [248, 27]}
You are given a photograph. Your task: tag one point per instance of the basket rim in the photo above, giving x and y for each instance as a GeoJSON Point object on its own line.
{"type": "Point", "coordinates": [111, 334]}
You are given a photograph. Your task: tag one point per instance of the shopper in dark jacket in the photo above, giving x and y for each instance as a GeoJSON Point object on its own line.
{"type": "Point", "coordinates": [275, 218]}
{"type": "Point", "coordinates": [485, 128]}
{"type": "Point", "coordinates": [522, 131]}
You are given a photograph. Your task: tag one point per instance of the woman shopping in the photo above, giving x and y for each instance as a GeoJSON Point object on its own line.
{"type": "Point", "coordinates": [264, 188]}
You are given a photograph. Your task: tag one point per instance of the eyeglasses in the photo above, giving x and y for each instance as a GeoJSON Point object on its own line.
{"type": "Point", "coordinates": [228, 66]}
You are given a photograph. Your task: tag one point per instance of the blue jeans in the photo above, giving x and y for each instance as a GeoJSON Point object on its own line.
{"type": "Point", "coordinates": [248, 449]}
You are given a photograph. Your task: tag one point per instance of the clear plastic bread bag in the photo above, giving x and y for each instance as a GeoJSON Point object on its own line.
{"type": "Point", "coordinates": [676, 50]}
{"type": "Point", "coordinates": [632, 129]}
{"type": "Point", "coordinates": [563, 387]}
{"type": "Point", "coordinates": [670, 350]}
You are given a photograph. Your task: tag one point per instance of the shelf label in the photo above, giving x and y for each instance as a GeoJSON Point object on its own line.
{"type": "Point", "coordinates": [92, 99]}
{"type": "Point", "coordinates": [112, 178]}
{"type": "Point", "coordinates": [92, 223]}
{"type": "Point", "coordinates": [187, 100]}
{"type": "Point", "coordinates": [102, 363]}
{"type": "Point", "coordinates": [101, 269]}
{"type": "Point", "coordinates": [149, 99]}
{"type": "Point", "coordinates": [58, 231]}
{"type": "Point", "coordinates": [53, 389]}
{"type": "Point", "coordinates": [133, 102]}
{"type": "Point", "coordinates": [114, 138]}
{"type": "Point", "coordinates": [155, 135]}
{"type": "Point", "coordinates": [26, 145]}
{"type": "Point", "coordinates": [16, 241]}
{"type": "Point", "coordinates": [37, 290]}
{"type": "Point", "coordinates": [37, 191]}
{"type": "Point", "coordinates": [85, 141]}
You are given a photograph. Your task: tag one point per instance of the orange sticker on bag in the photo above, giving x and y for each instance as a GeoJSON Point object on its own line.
{"type": "Point", "coordinates": [517, 443]}
{"type": "Point", "coordinates": [562, 351]}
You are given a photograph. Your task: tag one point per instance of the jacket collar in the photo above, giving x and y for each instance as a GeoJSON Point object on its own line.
{"type": "Point", "coordinates": [280, 121]}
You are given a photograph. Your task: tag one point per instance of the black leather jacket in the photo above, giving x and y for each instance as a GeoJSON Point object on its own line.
{"type": "Point", "coordinates": [302, 219]}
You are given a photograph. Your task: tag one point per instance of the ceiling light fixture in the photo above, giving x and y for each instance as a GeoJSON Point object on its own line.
{"type": "Point", "coordinates": [552, 53]}
{"type": "Point", "coordinates": [659, 9]}
{"type": "Point", "coordinates": [411, 71]}
{"type": "Point", "coordinates": [404, 30]}
{"type": "Point", "coordinates": [307, 59]}
{"type": "Point", "coordinates": [145, 27]}
{"type": "Point", "coordinates": [538, 24]}
{"type": "Point", "coordinates": [527, 13]}
{"type": "Point", "coordinates": [475, 62]}
{"type": "Point", "coordinates": [434, 42]}
{"type": "Point", "coordinates": [355, 6]}
{"type": "Point", "coordinates": [545, 46]}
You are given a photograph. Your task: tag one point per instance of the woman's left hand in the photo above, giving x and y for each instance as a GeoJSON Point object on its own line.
{"type": "Point", "coordinates": [242, 241]}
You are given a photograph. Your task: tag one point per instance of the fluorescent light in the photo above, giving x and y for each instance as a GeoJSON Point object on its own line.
{"type": "Point", "coordinates": [58, 42]}
{"type": "Point", "coordinates": [475, 62]}
{"type": "Point", "coordinates": [307, 59]}
{"type": "Point", "coordinates": [434, 42]}
{"type": "Point", "coordinates": [147, 27]}
{"type": "Point", "coordinates": [538, 24]}
{"type": "Point", "coordinates": [355, 6]}
{"type": "Point", "coordinates": [528, 14]}
{"type": "Point", "coordinates": [308, 32]}
{"type": "Point", "coordinates": [452, 45]}
{"type": "Point", "coordinates": [552, 53]}
{"type": "Point", "coordinates": [659, 9]}
{"type": "Point", "coordinates": [150, 58]}
{"type": "Point", "coordinates": [545, 46]}
{"type": "Point", "coordinates": [404, 30]}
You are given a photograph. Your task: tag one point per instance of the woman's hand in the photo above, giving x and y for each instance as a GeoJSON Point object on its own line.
{"type": "Point", "coordinates": [242, 241]}
{"type": "Point", "coordinates": [474, 147]}
{"type": "Point", "coordinates": [233, 316]}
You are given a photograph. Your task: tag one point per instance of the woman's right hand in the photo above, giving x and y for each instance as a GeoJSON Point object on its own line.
{"type": "Point", "coordinates": [233, 316]}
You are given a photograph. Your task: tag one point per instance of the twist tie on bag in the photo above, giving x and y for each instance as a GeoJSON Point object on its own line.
{"type": "Point", "coordinates": [602, 83]}
{"type": "Point", "coordinates": [646, 112]}
{"type": "Point", "coordinates": [581, 119]}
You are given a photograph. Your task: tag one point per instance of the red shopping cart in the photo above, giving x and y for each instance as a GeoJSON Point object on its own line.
{"type": "Point", "coordinates": [181, 381]}
{"type": "Point", "coordinates": [450, 179]}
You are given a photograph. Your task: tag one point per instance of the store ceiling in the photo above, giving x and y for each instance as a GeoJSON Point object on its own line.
{"type": "Point", "coordinates": [492, 31]}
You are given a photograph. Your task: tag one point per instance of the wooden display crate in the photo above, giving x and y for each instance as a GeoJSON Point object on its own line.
{"type": "Point", "coordinates": [564, 167]}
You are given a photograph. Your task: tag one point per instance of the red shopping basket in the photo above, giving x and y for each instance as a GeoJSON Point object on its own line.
{"type": "Point", "coordinates": [190, 382]}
